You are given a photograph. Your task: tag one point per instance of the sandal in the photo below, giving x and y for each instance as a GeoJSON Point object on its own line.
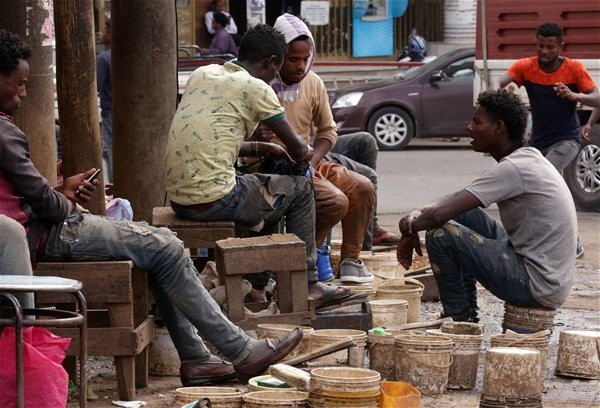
{"type": "Point", "coordinates": [331, 298]}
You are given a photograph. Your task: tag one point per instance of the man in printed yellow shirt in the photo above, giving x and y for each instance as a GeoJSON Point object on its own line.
{"type": "Point", "coordinates": [219, 111]}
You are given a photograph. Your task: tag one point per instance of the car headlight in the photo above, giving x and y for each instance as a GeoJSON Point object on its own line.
{"type": "Point", "coordinates": [347, 100]}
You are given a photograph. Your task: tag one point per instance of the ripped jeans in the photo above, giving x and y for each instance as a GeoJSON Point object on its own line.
{"type": "Point", "coordinates": [475, 248]}
{"type": "Point", "coordinates": [258, 201]}
{"type": "Point", "coordinates": [173, 279]}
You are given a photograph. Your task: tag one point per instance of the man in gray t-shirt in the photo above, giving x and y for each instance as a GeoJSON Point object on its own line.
{"type": "Point", "coordinates": [528, 259]}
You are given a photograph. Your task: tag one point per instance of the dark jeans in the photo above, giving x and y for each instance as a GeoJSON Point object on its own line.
{"type": "Point", "coordinates": [247, 205]}
{"type": "Point", "coordinates": [475, 248]}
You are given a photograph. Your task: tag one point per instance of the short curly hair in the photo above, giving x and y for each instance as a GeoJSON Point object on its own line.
{"type": "Point", "coordinates": [261, 42]}
{"type": "Point", "coordinates": [550, 29]}
{"type": "Point", "coordinates": [507, 107]}
{"type": "Point", "coordinates": [12, 49]}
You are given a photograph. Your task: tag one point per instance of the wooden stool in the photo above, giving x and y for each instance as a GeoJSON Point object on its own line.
{"type": "Point", "coordinates": [118, 320]}
{"type": "Point", "coordinates": [194, 234]}
{"type": "Point", "coordinates": [57, 318]}
{"type": "Point", "coordinates": [283, 254]}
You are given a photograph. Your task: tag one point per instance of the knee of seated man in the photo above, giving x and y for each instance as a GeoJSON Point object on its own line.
{"type": "Point", "coordinates": [10, 227]}
{"type": "Point", "coordinates": [364, 189]}
{"type": "Point", "coordinates": [443, 233]}
{"type": "Point", "coordinates": [369, 142]}
{"type": "Point", "coordinates": [338, 203]}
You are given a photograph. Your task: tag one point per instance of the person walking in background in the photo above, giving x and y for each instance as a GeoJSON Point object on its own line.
{"type": "Point", "coordinates": [222, 42]}
{"type": "Point", "coordinates": [554, 85]}
{"type": "Point", "coordinates": [103, 80]}
{"type": "Point", "coordinates": [219, 7]}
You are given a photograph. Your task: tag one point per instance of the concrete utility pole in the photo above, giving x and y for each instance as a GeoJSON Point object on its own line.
{"type": "Point", "coordinates": [32, 21]}
{"type": "Point", "coordinates": [144, 92]}
{"type": "Point", "coordinates": [77, 94]}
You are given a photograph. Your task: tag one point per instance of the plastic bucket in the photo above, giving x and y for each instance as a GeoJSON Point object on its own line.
{"type": "Point", "coordinates": [527, 320]}
{"type": "Point", "coordinates": [162, 355]}
{"type": "Point", "coordinates": [389, 312]}
{"type": "Point", "coordinates": [511, 378]}
{"type": "Point", "coordinates": [220, 397]}
{"type": "Point", "coordinates": [264, 331]}
{"type": "Point", "coordinates": [344, 384]}
{"type": "Point", "coordinates": [579, 354]}
{"type": "Point", "coordinates": [355, 357]}
{"type": "Point", "coordinates": [397, 394]}
{"type": "Point", "coordinates": [324, 401]}
{"type": "Point", "coordinates": [366, 288]}
{"type": "Point", "coordinates": [539, 342]}
{"type": "Point", "coordinates": [381, 355]}
{"type": "Point", "coordinates": [254, 386]}
{"type": "Point", "coordinates": [465, 359]}
{"type": "Point", "coordinates": [383, 265]}
{"type": "Point", "coordinates": [407, 289]}
{"type": "Point", "coordinates": [423, 360]}
{"type": "Point", "coordinates": [261, 399]}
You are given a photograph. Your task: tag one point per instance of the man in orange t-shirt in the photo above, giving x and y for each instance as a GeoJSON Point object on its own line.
{"type": "Point", "coordinates": [554, 85]}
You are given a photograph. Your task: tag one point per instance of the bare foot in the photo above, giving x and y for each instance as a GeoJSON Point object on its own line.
{"type": "Point", "coordinates": [316, 290]}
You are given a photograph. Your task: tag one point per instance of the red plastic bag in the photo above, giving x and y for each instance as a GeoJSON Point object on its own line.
{"type": "Point", "coordinates": [46, 381]}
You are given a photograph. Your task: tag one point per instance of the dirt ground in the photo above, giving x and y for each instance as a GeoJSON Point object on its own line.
{"type": "Point", "coordinates": [581, 312]}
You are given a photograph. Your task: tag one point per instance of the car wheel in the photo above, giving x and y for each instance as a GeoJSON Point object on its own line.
{"type": "Point", "coordinates": [583, 174]}
{"type": "Point", "coordinates": [391, 127]}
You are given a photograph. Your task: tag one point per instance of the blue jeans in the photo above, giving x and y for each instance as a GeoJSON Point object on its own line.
{"type": "Point", "coordinates": [107, 144]}
{"type": "Point", "coordinates": [177, 289]}
{"type": "Point", "coordinates": [246, 204]}
{"type": "Point", "coordinates": [358, 152]}
{"type": "Point", "coordinates": [475, 248]}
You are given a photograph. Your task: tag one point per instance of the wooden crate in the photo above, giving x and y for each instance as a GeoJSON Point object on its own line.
{"type": "Point", "coordinates": [283, 254]}
{"type": "Point", "coordinates": [118, 321]}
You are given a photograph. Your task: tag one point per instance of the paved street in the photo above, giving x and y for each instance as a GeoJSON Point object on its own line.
{"type": "Point", "coordinates": [424, 171]}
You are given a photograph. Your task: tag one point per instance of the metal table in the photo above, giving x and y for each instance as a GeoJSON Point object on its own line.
{"type": "Point", "coordinates": [45, 318]}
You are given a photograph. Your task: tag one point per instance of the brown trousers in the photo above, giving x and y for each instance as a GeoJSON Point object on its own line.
{"type": "Point", "coordinates": [346, 196]}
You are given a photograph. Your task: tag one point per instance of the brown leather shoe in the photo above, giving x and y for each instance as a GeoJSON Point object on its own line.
{"type": "Point", "coordinates": [208, 372]}
{"type": "Point", "coordinates": [279, 348]}
{"type": "Point", "coordinates": [255, 296]}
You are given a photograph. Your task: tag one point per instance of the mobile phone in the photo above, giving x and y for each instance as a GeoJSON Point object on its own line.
{"type": "Point", "coordinates": [93, 176]}
{"type": "Point", "coordinates": [89, 180]}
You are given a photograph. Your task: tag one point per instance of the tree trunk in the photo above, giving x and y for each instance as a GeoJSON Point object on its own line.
{"type": "Point", "coordinates": [29, 19]}
{"type": "Point", "coordinates": [77, 94]}
{"type": "Point", "coordinates": [144, 92]}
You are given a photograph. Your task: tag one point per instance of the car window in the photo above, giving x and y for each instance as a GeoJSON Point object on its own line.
{"type": "Point", "coordinates": [461, 69]}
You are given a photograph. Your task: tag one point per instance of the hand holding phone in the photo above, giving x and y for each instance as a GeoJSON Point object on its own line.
{"type": "Point", "coordinates": [89, 180]}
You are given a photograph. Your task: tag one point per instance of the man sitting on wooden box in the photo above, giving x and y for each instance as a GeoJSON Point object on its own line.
{"type": "Point", "coordinates": [59, 230]}
{"type": "Point", "coordinates": [219, 111]}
